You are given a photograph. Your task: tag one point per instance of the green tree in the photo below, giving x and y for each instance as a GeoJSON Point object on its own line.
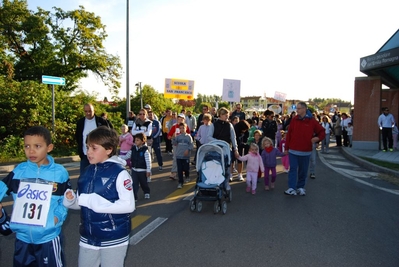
{"type": "Point", "coordinates": [67, 44]}
{"type": "Point", "coordinates": [156, 100]}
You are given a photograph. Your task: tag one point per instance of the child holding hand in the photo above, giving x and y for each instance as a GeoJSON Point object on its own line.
{"type": "Point", "coordinates": [269, 157]}
{"type": "Point", "coordinates": [254, 164]}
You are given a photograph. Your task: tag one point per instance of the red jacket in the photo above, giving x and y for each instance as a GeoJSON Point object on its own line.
{"type": "Point", "coordinates": [173, 130]}
{"type": "Point", "coordinates": [301, 131]}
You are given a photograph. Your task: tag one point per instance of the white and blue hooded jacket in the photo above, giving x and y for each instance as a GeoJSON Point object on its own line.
{"type": "Point", "coordinates": [52, 172]}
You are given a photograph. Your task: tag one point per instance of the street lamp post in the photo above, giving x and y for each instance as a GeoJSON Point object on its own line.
{"type": "Point", "coordinates": [141, 94]}
{"type": "Point", "coordinates": [127, 62]}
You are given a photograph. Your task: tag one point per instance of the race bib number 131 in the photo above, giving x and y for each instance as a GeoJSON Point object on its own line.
{"type": "Point", "coordinates": [32, 204]}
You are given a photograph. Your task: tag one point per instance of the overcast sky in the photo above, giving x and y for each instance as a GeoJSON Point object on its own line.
{"type": "Point", "coordinates": [305, 49]}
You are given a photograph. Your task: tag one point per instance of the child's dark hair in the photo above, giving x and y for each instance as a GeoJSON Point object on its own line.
{"type": "Point", "coordinates": [39, 131]}
{"type": "Point", "coordinates": [182, 124]}
{"type": "Point", "coordinates": [141, 137]}
{"type": "Point", "coordinates": [105, 137]}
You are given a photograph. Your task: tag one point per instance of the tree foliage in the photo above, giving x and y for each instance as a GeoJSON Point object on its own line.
{"type": "Point", "coordinates": [28, 103]}
{"type": "Point", "coordinates": [61, 43]}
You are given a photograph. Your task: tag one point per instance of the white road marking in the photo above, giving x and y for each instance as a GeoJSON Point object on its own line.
{"type": "Point", "coordinates": [342, 172]}
{"type": "Point", "coordinates": [140, 235]}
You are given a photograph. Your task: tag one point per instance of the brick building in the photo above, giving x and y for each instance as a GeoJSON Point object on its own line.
{"type": "Point", "coordinates": [382, 68]}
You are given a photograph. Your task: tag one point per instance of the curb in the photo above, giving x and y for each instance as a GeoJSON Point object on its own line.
{"type": "Point", "coordinates": [10, 167]}
{"type": "Point", "coordinates": [368, 165]}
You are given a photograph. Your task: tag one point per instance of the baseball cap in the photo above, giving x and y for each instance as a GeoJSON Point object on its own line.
{"type": "Point", "coordinates": [147, 106]}
{"type": "Point", "coordinates": [181, 115]}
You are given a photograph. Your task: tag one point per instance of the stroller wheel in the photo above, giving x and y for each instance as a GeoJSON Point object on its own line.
{"type": "Point", "coordinates": [224, 207]}
{"type": "Point", "coordinates": [192, 205]}
{"type": "Point", "coordinates": [199, 206]}
{"type": "Point", "coordinates": [216, 207]}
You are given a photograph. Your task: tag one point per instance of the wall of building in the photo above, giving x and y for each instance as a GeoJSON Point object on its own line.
{"type": "Point", "coordinates": [367, 109]}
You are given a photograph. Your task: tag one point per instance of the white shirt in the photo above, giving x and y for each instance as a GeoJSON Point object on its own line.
{"type": "Point", "coordinates": [89, 126]}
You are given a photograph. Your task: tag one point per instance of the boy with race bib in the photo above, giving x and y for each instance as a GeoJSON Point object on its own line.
{"type": "Point", "coordinates": [37, 187]}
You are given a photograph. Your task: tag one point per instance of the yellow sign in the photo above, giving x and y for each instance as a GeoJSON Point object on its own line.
{"type": "Point", "coordinates": [179, 89]}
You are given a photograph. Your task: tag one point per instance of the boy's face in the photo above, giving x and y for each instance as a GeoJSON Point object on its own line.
{"type": "Point", "coordinates": [97, 154]}
{"type": "Point", "coordinates": [138, 142]}
{"type": "Point", "coordinates": [257, 136]}
{"type": "Point", "coordinates": [36, 149]}
{"type": "Point", "coordinates": [182, 129]}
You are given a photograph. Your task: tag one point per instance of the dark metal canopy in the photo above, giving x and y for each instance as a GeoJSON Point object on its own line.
{"type": "Point", "coordinates": [384, 63]}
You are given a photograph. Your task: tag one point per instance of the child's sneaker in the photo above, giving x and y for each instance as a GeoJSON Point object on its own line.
{"type": "Point", "coordinates": [253, 192]}
{"type": "Point", "coordinates": [160, 168]}
{"type": "Point", "coordinates": [290, 191]}
{"type": "Point", "coordinates": [248, 189]}
{"type": "Point", "coordinates": [179, 186]}
{"type": "Point", "coordinates": [240, 178]}
{"type": "Point", "coordinates": [267, 188]}
{"type": "Point", "coordinates": [147, 196]}
{"type": "Point", "coordinates": [187, 180]}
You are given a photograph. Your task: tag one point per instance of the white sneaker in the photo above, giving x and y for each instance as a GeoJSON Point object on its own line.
{"type": "Point", "coordinates": [301, 191]}
{"type": "Point", "coordinates": [147, 196]}
{"type": "Point", "coordinates": [148, 179]}
{"type": "Point", "coordinates": [179, 186]}
{"type": "Point", "coordinates": [290, 191]}
{"type": "Point", "coordinates": [231, 178]}
{"type": "Point", "coordinates": [240, 178]}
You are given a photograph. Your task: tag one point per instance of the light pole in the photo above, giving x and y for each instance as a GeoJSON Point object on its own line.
{"type": "Point", "coordinates": [127, 62]}
{"type": "Point", "coordinates": [141, 94]}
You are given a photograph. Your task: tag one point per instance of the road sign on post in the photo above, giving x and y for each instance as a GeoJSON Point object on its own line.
{"type": "Point", "coordinates": [53, 80]}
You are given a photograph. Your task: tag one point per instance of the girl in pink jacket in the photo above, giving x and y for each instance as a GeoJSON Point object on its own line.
{"type": "Point", "coordinates": [125, 143]}
{"type": "Point", "coordinates": [254, 163]}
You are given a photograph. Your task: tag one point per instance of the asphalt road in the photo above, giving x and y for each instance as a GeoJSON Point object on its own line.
{"type": "Point", "coordinates": [340, 222]}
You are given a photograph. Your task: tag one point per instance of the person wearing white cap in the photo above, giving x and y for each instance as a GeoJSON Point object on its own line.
{"type": "Point", "coordinates": [148, 108]}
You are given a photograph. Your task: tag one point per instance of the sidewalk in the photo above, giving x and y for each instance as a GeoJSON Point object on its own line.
{"type": "Point", "coordinates": [355, 155]}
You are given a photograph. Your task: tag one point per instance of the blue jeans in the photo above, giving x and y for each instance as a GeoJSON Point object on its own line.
{"type": "Point", "coordinates": [298, 171]}
{"type": "Point", "coordinates": [156, 146]}
{"type": "Point", "coordinates": [312, 159]}
{"type": "Point", "coordinates": [183, 167]}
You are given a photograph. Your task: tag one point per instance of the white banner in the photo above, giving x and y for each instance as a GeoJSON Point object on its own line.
{"type": "Point", "coordinates": [231, 90]}
{"type": "Point", "coordinates": [280, 96]}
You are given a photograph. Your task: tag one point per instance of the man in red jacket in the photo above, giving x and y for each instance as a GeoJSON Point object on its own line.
{"type": "Point", "coordinates": [303, 132]}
